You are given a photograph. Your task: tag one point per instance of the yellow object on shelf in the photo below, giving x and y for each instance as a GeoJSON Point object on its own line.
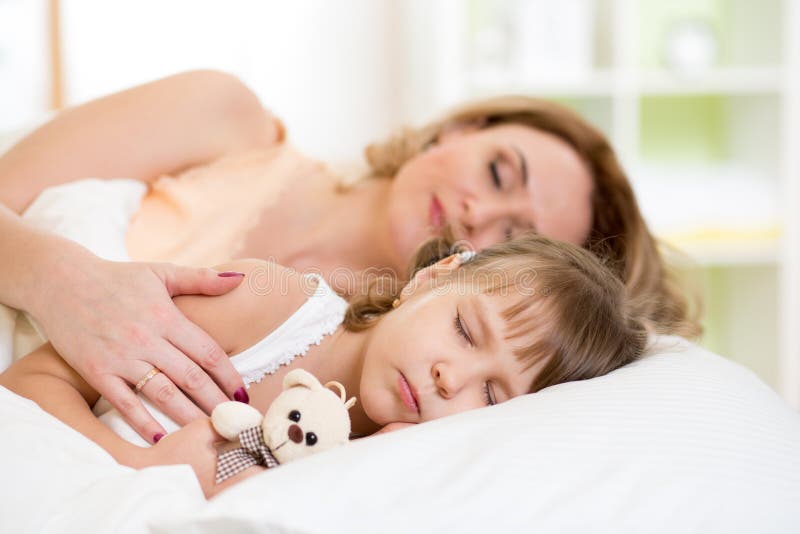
{"type": "Point", "coordinates": [726, 246]}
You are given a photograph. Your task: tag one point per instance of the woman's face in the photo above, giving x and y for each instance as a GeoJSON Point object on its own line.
{"type": "Point", "coordinates": [491, 184]}
{"type": "Point", "coordinates": [456, 360]}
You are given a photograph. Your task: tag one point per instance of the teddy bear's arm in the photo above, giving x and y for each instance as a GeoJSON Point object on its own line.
{"type": "Point", "coordinates": [230, 418]}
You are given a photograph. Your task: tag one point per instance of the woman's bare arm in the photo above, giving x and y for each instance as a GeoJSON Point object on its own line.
{"type": "Point", "coordinates": [101, 316]}
{"type": "Point", "coordinates": [156, 128]}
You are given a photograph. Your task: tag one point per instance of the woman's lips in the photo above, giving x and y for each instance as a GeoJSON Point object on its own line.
{"type": "Point", "coordinates": [407, 394]}
{"type": "Point", "coordinates": [436, 213]}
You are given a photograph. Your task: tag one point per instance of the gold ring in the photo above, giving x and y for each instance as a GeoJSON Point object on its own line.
{"type": "Point", "coordinates": [146, 378]}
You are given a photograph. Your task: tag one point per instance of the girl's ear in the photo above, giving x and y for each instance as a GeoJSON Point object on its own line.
{"type": "Point", "coordinates": [430, 273]}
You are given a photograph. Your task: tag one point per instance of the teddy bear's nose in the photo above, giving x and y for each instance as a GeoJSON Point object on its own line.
{"type": "Point", "coordinates": [295, 433]}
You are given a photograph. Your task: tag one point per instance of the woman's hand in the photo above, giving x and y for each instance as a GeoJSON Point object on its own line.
{"type": "Point", "coordinates": [113, 322]}
{"type": "Point", "coordinates": [195, 444]}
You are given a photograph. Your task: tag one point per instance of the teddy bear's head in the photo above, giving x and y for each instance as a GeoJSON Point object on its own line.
{"type": "Point", "coordinates": [306, 417]}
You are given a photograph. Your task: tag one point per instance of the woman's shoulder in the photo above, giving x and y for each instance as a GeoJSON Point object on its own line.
{"type": "Point", "coordinates": [268, 295]}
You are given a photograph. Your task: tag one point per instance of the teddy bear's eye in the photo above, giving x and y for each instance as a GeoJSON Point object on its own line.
{"type": "Point", "coordinates": [294, 415]}
{"type": "Point", "coordinates": [311, 438]}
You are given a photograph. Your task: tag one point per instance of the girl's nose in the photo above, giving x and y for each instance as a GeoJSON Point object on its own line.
{"type": "Point", "coordinates": [446, 379]}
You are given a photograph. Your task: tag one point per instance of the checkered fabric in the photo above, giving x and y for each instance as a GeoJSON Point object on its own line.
{"type": "Point", "coordinates": [252, 452]}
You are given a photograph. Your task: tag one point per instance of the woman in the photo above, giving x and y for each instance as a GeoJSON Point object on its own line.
{"type": "Point", "coordinates": [487, 172]}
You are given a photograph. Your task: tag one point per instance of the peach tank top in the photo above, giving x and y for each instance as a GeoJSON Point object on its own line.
{"type": "Point", "coordinates": [202, 216]}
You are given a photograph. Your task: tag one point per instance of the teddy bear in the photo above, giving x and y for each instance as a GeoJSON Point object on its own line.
{"type": "Point", "coordinates": [305, 418]}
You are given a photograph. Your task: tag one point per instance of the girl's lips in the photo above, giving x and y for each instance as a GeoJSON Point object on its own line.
{"type": "Point", "coordinates": [436, 213]}
{"type": "Point", "coordinates": [407, 394]}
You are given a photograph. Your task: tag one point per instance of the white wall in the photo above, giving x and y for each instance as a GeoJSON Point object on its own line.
{"type": "Point", "coordinates": [24, 70]}
{"type": "Point", "coordinates": [330, 69]}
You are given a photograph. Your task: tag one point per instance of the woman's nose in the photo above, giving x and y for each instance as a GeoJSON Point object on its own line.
{"type": "Point", "coordinates": [481, 216]}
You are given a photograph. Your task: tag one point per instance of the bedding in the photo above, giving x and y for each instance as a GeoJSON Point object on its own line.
{"type": "Point", "coordinates": [682, 441]}
{"type": "Point", "coordinates": [55, 480]}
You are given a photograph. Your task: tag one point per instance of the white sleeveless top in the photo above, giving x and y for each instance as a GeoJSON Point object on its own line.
{"type": "Point", "coordinates": [96, 214]}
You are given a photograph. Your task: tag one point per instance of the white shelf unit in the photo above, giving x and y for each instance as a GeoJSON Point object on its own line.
{"type": "Point", "coordinates": [709, 150]}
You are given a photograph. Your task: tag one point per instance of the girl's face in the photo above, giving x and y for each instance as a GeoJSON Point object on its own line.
{"type": "Point", "coordinates": [491, 184]}
{"type": "Point", "coordinates": [440, 353]}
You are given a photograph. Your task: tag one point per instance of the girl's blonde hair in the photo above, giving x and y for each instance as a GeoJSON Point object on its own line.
{"type": "Point", "coordinates": [564, 299]}
{"type": "Point", "coordinates": [618, 233]}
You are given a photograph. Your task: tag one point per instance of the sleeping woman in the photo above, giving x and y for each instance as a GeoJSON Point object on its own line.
{"type": "Point", "coordinates": [465, 331]}
{"type": "Point", "coordinates": [214, 180]}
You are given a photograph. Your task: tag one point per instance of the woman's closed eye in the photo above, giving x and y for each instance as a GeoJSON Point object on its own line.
{"type": "Point", "coordinates": [501, 172]}
{"type": "Point", "coordinates": [494, 172]}
{"type": "Point", "coordinates": [497, 180]}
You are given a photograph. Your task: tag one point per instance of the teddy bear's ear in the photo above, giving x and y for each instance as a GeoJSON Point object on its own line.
{"type": "Point", "coordinates": [300, 377]}
{"type": "Point", "coordinates": [342, 395]}
{"type": "Point", "coordinates": [333, 384]}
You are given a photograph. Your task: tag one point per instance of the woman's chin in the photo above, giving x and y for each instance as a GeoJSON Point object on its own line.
{"type": "Point", "coordinates": [408, 241]}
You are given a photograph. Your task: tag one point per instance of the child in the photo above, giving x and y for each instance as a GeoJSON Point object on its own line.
{"type": "Point", "coordinates": [467, 331]}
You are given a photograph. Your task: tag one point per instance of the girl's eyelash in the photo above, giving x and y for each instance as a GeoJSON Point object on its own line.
{"type": "Point", "coordinates": [460, 327]}
{"type": "Point", "coordinates": [487, 395]}
{"type": "Point", "coordinates": [495, 174]}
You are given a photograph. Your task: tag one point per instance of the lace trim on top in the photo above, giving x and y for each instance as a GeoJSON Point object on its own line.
{"type": "Point", "coordinates": [320, 315]}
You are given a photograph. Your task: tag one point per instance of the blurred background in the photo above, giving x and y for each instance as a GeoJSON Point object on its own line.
{"type": "Point", "coordinates": [700, 98]}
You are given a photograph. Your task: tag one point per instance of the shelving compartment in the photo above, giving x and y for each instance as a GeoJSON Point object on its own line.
{"type": "Point", "coordinates": [708, 176]}
{"type": "Point", "coordinates": [539, 47]}
{"type": "Point", "coordinates": [705, 46]}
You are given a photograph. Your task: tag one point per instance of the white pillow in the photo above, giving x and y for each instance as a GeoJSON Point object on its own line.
{"type": "Point", "coordinates": [682, 441]}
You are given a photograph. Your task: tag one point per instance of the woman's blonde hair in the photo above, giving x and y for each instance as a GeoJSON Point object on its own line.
{"type": "Point", "coordinates": [563, 298]}
{"type": "Point", "coordinates": [618, 233]}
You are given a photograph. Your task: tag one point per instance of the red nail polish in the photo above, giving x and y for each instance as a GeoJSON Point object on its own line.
{"type": "Point", "coordinates": [157, 437]}
{"type": "Point", "coordinates": [229, 274]}
{"type": "Point", "coordinates": [241, 395]}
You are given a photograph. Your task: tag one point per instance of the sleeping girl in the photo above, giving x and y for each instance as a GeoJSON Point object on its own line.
{"type": "Point", "coordinates": [465, 331]}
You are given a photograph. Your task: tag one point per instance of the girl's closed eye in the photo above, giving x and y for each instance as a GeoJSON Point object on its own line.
{"type": "Point", "coordinates": [459, 326]}
{"type": "Point", "coordinates": [488, 394]}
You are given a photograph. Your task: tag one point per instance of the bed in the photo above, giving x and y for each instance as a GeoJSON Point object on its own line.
{"type": "Point", "coordinates": [682, 441]}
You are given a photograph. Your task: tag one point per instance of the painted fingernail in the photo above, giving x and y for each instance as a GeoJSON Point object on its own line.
{"type": "Point", "coordinates": [157, 437]}
{"type": "Point", "coordinates": [241, 395]}
{"type": "Point", "coordinates": [229, 274]}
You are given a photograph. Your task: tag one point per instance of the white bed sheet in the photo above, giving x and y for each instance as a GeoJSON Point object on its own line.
{"type": "Point", "coordinates": [54, 480]}
{"type": "Point", "coordinates": [683, 441]}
